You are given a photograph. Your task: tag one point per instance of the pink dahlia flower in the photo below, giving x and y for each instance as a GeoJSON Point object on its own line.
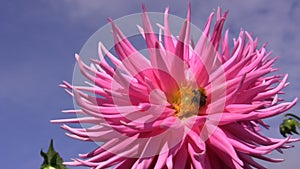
{"type": "Point", "coordinates": [187, 105]}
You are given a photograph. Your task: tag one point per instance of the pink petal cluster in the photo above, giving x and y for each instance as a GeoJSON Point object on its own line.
{"type": "Point", "coordinates": [129, 107]}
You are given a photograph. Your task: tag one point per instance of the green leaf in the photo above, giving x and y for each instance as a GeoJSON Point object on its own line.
{"type": "Point", "coordinates": [52, 159]}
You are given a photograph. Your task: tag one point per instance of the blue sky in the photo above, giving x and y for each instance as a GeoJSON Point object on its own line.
{"type": "Point", "coordinates": [38, 40]}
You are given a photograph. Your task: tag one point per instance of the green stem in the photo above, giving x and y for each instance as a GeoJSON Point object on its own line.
{"type": "Point", "coordinates": [292, 115]}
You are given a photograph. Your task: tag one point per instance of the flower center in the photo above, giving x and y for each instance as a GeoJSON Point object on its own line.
{"type": "Point", "coordinates": [187, 101]}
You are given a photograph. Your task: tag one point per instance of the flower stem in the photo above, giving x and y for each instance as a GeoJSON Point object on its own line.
{"type": "Point", "coordinates": [292, 115]}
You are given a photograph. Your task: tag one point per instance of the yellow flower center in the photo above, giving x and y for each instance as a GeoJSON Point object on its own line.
{"type": "Point", "coordinates": [187, 101]}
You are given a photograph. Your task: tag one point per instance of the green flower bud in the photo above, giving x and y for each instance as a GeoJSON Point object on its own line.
{"type": "Point", "coordinates": [289, 126]}
{"type": "Point", "coordinates": [282, 130]}
{"type": "Point", "coordinates": [52, 160]}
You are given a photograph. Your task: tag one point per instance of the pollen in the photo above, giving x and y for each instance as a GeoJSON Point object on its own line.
{"type": "Point", "coordinates": [187, 101]}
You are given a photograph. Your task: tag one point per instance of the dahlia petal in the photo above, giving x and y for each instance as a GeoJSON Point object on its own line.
{"type": "Point", "coordinates": [108, 150]}
{"type": "Point", "coordinates": [268, 159]}
{"type": "Point", "coordinates": [250, 161]}
{"type": "Point", "coordinates": [229, 118]}
{"type": "Point", "coordinates": [83, 120]}
{"type": "Point", "coordinates": [281, 108]}
{"type": "Point", "coordinates": [78, 137]}
{"type": "Point", "coordinates": [197, 144]}
{"type": "Point", "coordinates": [196, 163]}
{"type": "Point", "coordinates": [199, 70]}
{"type": "Point", "coordinates": [87, 163]}
{"type": "Point", "coordinates": [180, 159]}
{"type": "Point", "coordinates": [150, 35]}
{"type": "Point", "coordinates": [238, 144]}
{"type": "Point", "coordinates": [83, 68]}
{"type": "Point", "coordinates": [126, 163]}
{"type": "Point", "coordinates": [234, 58]}
{"type": "Point", "coordinates": [242, 108]}
{"type": "Point", "coordinates": [101, 49]}
{"type": "Point", "coordinates": [115, 158]}
{"type": "Point", "coordinates": [236, 69]}
{"type": "Point", "coordinates": [141, 30]}
{"type": "Point", "coordinates": [103, 134]}
{"type": "Point", "coordinates": [143, 163]}
{"type": "Point", "coordinates": [252, 76]}
{"type": "Point", "coordinates": [148, 127]}
{"type": "Point", "coordinates": [210, 57]}
{"type": "Point", "coordinates": [72, 163]}
{"type": "Point", "coordinates": [252, 65]}
{"type": "Point", "coordinates": [182, 46]}
{"type": "Point", "coordinates": [170, 85]}
{"type": "Point", "coordinates": [169, 162]}
{"type": "Point", "coordinates": [172, 152]}
{"type": "Point", "coordinates": [249, 94]}
{"type": "Point", "coordinates": [204, 36]}
{"type": "Point", "coordinates": [270, 148]}
{"type": "Point", "coordinates": [102, 65]}
{"type": "Point", "coordinates": [215, 161]}
{"type": "Point", "coordinates": [131, 58]}
{"type": "Point", "coordinates": [78, 111]}
{"type": "Point", "coordinates": [225, 149]}
{"type": "Point", "coordinates": [122, 41]}
{"type": "Point", "coordinates": [161, 160]}
{"type": "Point", "coordinates": [246, 134]}
{"type": "Point", "coordinates": [168, 40]}
{"type": "Point", "coordinates": [273, 91]}
{"type": "Point", "coordinates": [218, 29]}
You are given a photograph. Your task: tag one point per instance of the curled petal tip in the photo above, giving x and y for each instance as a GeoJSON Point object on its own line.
{"type": "Point", "coordinates": [144, 7]}
{"type": "Point", "coordinates": [109, 20]}
{"type": "Point", "coordinates": [55, 121]}
{"type": "Point", "coordinates": [189, 12]}
{"type": "Point", "coordinates": [77, 57]}
{"type": "Point", "coordinates": [62, 85]}
{"type": "Point", "coordinates": [167, 10]}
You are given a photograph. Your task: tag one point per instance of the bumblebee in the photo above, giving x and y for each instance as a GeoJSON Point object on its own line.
{"type": "Point", "coordinates": [199, 97]}
{"type": "Point", "coordinates": [187, 101]}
